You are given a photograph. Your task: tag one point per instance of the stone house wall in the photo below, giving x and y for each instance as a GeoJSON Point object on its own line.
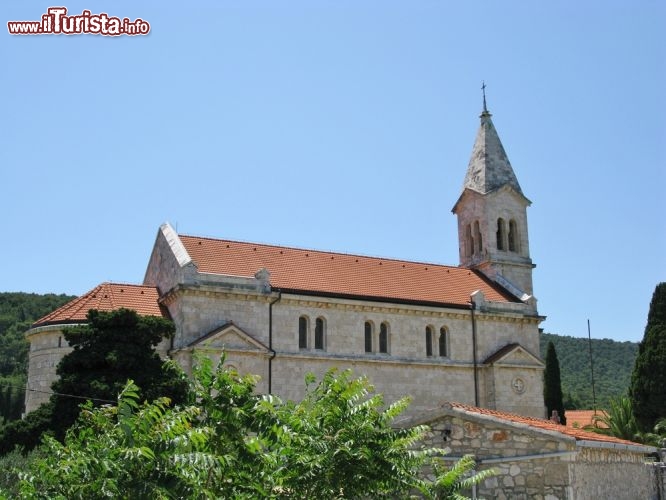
{"type": "Point", "coordinates": [612, 473]}
{"type": "Point", "coordinates": [540, 464]}
{"type": "Point", "coordinates": [504, 448]}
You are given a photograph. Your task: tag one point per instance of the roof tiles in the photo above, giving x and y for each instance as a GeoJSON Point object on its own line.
{"type": "Point", "coordinates": [106, 297]}
{"type": "Point", "coordinates": [581, 418]}
{"type": "Point", "coordinates": [338, 274]}
{"type": "Point", "coordinates": [577, 433]}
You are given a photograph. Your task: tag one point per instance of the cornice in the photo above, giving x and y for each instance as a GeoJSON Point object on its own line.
{"type": "Point", "coordinates": [345, 304]}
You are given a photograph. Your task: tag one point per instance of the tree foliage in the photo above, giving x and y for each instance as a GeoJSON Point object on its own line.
{"type": "Point", "coordinates": [613, 362]}
{"type": "Point", "coordinates": [648, 380]}
{"type": "Point", "coordinates": [617, 421]}
{"type": "Point", "coordinates": [110, 349]}
{"type": "Point", "coordinates": [338, 442]}
{"type": "Point", "coordinates": [18, 311]}
{"type": "Point", "coordinates": [552, 386]}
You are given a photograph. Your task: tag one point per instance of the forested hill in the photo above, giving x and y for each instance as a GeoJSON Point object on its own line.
{"type": "Point", "coordinates": [613, 364]}
{"type": "Point", "coordinates": [17, 312]}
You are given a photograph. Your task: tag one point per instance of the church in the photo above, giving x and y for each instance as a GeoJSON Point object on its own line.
{"type": "Point", "coordinates": [467, 333]}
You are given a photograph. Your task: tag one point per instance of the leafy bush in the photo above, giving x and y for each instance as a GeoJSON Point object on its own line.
{"type": "Point", "coordinates": [337, 442]}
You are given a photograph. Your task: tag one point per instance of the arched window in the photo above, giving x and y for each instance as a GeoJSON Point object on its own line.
{"type": "Point", "coordinates": [477, 237]}
{"type": "Point", "coordinates": [469, 241]}
{"type": "Point", "coordinates": [513, 236]}
{"type": "Point", "coordinates": [303, 332]}
{"type": "Point", "coordinates": [383, 338]}
{"type": "Point", "coordinates": [319, 333]}
{"type": "Point", "coordinates": [501, 234]}
{"type": "Point", "coordinates": [368, 336]}
{"type": "Point", "coordinates": [442, 342]}
{"type": "Point", "coordinates": [428, 341]}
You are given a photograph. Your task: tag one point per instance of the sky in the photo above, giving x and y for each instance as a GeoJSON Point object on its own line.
{"type": "Point", "coordinates": [343, 126]}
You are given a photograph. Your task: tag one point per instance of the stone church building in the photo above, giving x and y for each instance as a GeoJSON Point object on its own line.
{"type": "Point", "coordinates": [467, 333]}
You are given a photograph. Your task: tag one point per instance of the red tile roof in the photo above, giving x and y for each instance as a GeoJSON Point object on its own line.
{"type": "Point", "coordinates": [578, 434]}
{"type": "Point", "coordinates": [343, 275]}
{"type": "Point", "coordinates": [581, 418]}
{"type": "Point", "coordinates": [106, 297]}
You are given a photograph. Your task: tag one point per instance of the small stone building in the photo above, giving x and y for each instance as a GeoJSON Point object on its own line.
{"type": "Point", "coordinates": [538, 459]}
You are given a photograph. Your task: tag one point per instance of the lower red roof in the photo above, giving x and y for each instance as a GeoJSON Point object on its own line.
{"type": "Point", "coordinates": [107, 297]}
{"type": "Point", "coordinates": [541, 423]}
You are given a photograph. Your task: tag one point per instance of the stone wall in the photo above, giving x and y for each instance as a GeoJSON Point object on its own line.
{"type": "Point", "coordinates": [405, 370]}
{"type": "Point", "coordinates": [528, 464]}
{"type": "Point", "coordinates": [612, 473]}
{"type": "Point", "coordinates": [47, 347]}
{"type": "Point", "coordinates": [486, 209]}
{"type": "Point", "coordinates": [540, 464]}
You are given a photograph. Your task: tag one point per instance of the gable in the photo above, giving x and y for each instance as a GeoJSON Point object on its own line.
{"type": "Point", "coordinates": [229, 337]}
{"type": "Point", "coordinates": [513, 355]}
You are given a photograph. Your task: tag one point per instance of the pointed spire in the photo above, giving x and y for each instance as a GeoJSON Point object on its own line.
{"type": "Point", "coordinates": [489, 167]}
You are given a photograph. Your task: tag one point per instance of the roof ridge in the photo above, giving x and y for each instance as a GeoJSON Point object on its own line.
{"type": "Point", "coordinates": [333, 252]}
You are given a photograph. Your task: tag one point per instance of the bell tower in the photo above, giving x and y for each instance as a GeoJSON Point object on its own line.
{"type": "Point", "coordinates": [492, 215]}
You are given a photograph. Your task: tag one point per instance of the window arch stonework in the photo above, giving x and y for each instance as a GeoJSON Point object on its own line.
{"type": "Point", "coordinates": [513, 236]}
{"type": "Point", "coordinates": [303, 327]}
{"type": "Point", "coordinates": [501, 234]}
{"type": "Point", "coordinates": [428, 340]}
{"type": "Point", "coordinates": [469, 241]}
{"type": "Point", "coordinates": [477, 238]}
{"type": "Point", "coordinates": [368, 333]}
{"type": "Point", "coordinates": [384, 338]}
{"type": "Point", "coordinates": [319, 340]}
{"type": "Point", "coordinates": [443, 342]}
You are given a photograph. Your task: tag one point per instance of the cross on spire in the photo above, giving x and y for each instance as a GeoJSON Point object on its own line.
{"type": "Point", "coordinates": [483, 89]}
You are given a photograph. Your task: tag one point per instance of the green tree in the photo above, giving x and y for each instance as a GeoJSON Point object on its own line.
{"type": "Point", "coordinates": [233, 443]}
{"type": "Point", "coordinates": [342, 443]}
{"type": "Point", "coordinates": [618, 421]}
{"type": "Point", "coordinates": [613, 363]}
{"type": "Point", "coordinates": [648, 380]}
{"type": "Point", "coordinates": [126, 451]}
{"type": "Point", "coordinates": [17, 312]}
{"type": "Point", "coordinates": [110, 349]}
{"type": "Point", "coordinates": [552, 386]}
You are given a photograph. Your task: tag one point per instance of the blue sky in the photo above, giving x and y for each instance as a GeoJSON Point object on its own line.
{"type": "Point", "coordinates": [339, 125]}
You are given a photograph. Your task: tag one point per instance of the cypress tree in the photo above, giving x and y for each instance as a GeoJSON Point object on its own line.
{"type": "Point", "coordinates": [648, 380]}
{"type": "Point", "coordinates": [552, 385]}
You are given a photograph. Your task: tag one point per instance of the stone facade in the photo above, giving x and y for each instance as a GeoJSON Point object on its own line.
{"type": "Point", "coordinates": [47, 347]}
{"type": "Point", "coordinates": [405, 370]}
